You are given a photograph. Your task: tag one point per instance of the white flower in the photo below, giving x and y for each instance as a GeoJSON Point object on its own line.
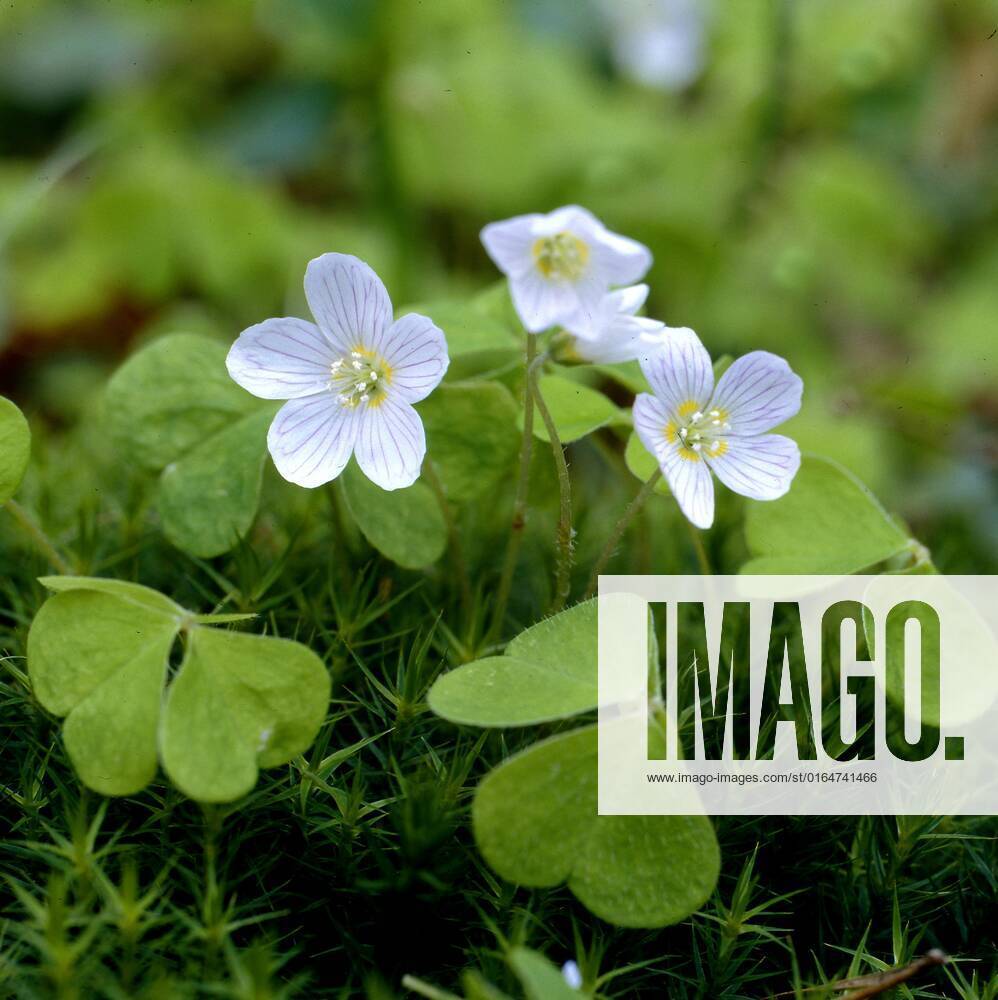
{"type": "Point", "coordinates": [658, 43]}
{"type": "Point", "coordinates": [572, 975]}
{"type": "Point", "coordinates": [562, 262]}
{"type": "Point", "coordinates": [351, 378]}
{"type": "Point", "coordinates": [694, 427]}
{"type": "Point", "coordinates": [612, 332]}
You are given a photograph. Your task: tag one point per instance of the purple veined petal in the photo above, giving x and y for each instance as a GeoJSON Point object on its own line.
{"type": "Point", "coordinates": [758, 392]}
{"type": "Point", "coordinates": [310, 439]}
{"type": "Point", "coordinates": [688, 477]}
{"type": "Point", "coordinates": [391, 444]}
{"type": "Point", "coordinates": [416, 352]}
{"type": "Point", "coordinates": [761, 468]}
{"type": "Point", "coordinates": [510, 243]}
{"type": "Point", "coordinates": [627, 338]}
{"type": "Point", "coordinates": [680, 373]}
{"type": "Point", "coordinates": [281, 359]}
{"type": "Point", "coordinates": [348, 300]}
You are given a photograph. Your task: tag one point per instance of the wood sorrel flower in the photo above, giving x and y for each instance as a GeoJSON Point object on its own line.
{"type": "Point", "coordinates": [612, 332]}
{"type": "Point", "coordinates": [561, 263]}
{"type": "Point", "coordinates": [694, 427]}
{"type": "Point", "coordinates": [351, 378]}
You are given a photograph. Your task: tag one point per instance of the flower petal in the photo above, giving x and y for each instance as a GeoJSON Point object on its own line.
{"type": "Point", "coordinates": [391, 444]}
{"type": "Point", "coordinates": [311, 439]}
{"type": "Point", "coordinates": [628, 300]}
{"type": "Point", "coordinates": [758, 467]}
{"type": "Point", "coordinates": [510, 243]}
{"type": "Point", "coordinates": [541, 303]}
{"type": "Point", "coordinates": [688, 478]}
{"type": "Point", "coordinates": [680, 372]}
{"type": "Point", "coordinates": [416, 352]}
{"type": "Point", "coordinates": [348, 300]}
{"type": "Point", "coordinates": [280, 359]}
{"type": "Point", "coordinates": [758, 392]}
{"type": "Point", "coordinates": [627, 338]}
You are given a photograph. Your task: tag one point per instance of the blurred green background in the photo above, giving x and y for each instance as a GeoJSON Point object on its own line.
{"type": "Point", "coordinates": [816, 178]}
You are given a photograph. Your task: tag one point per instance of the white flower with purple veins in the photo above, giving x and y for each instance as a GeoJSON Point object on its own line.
{"type": "Point", "coordinates": [350, 378]}
{"type": "Point", "coordinates": [612, 331]}
{"type": "Point", "coordinates": [561, 263]}
{"type": "Point", "coordinates": [694, 428]}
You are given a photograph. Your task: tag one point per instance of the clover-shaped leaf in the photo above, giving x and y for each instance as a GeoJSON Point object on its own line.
{"type": "Point", "coordinates": [548, 672]}
{"type": "Point", "coordinates": [471, 436]}
{"type": "Point", "coordinates": [576, 409]}
{"type": "Point", "coordinates": [174, 409]}
{"type": "Point", "coordinates": [15, 447]}
{"type": "Point", "coordinates": [405, 525]}
{"type": "Point", "coordinates": [829, 522]}
{"type": "Point", "coordinates": [98, 654]}
{"type": "Point", "coordinates": [535, 822]}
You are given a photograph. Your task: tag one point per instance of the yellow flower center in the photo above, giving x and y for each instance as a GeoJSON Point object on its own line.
{"type": "Point", "coordinates": [699, 434]}
{"type": "Point", "coordinates": [562, 256]}
{"type": "Point", "coordinates": [360, 378]}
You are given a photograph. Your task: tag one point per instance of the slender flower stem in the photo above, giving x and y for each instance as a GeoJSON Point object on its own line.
{"type": "Point", "coordinates": [618, 532]}
{"type": "Point", "coordinates": [698, 547]}
{"type": "Point", "coordinates": [454, 536]}
{"type": "Point", "coordinates": [31, 528]}
{"type": "Point", "coordinates": [563, 537]}
{"type": "Point", "coordinates": [519, 521]}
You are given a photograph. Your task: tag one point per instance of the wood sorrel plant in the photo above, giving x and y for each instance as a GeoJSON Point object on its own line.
{"type": "Point", "coordinates": [409, 458]}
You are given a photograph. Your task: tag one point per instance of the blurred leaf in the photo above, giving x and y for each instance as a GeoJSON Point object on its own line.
{"type": "Point", "coordinates": [471, 435]}
{"type": "Point", "coordinates": [406, 525]}
{"type": "Point", "coordinates": [540, 979]}
{"type": "Point", "coordinates": [536, 824]}
{"type": "Point", "coordinates": [643, 464]}
{"type": "Point", "coordinates": [829, 522]}
{"type": "Point", "coordinates": [239, 702]}
{"type": "Point", "coordinates": [98, 653]}
{"type": "Point", "coordinates": [575, 409]}
{"type": "Point", "coordinates": [15, 448]}
{"type": "Point", "coordinates": [548, 672]}
{"type": "Point", "coordinates": [173, 407]}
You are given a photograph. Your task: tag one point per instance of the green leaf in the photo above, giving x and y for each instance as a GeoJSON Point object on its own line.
{"type": "Point", "coordinates": [15, 448]}
{"type": "Point", "coordinates": [208, 499]}
{"type": "Point", "coordinates": [101, 661]}
{"type": "Point", "coordinates": [98, 652]}
{"type": "Point", "coordinates": [642, 464]}
{"type": "Point", "coordinates": [468, 329]}
{"type": "Point", "coordinates": [541, 979]}
{"type": "Point", "coordinates": [547, 673]}
{"type": "Point", "coordinates": [173, 408]}
{"type": "Point", "coordinates": [536, 824]}
{"type": "Point", "coordinates": [239, 702]}
{"type": "Point", "coordinates": [404, 525]}
{"type": "Point", "coordinates": [471, 435]}
{"type": "Point", "coordinates": [829, 522]}
{"type": "Point", "coordinates": [575, 409]}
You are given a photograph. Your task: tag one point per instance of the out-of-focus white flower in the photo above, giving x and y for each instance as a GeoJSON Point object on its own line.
{"type": "Point", "coordinates": [561, 263]}
{"type": "Point", "coordinates": [351, 378]}
{"type": "Point", "coordinates": [693, 427]}
{"type": "Point", "coordinates": [572, 975]}
{"type": "Point", "coordinates": [612, 331]}
{"type": "Point", "coordinates": [658, 43]}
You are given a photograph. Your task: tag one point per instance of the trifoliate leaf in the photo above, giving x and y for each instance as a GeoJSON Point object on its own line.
{"type": "Point", "coordinates": [536, 824]}
{"type": "Point", "coordinates": [575, 409]}
{"type": "Point", "coordinates": [15, 447]}
{"type": "Point", "coordinates": [239, 702]}
{"type": "Point", "coordinates": [829, 522]}
{"type": "Point", "coordinates": [173, 407]}
{"type": "Point", "coordinates": [540, 979]}
{"type": "Point", "coordinates": [406, 525]}
{"type": "Point", "coordinates": [98, 653]}
{"type": "Point", "coordinates": [471, 436]}
{"type": "Point", "coordinates": [548, 672]}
